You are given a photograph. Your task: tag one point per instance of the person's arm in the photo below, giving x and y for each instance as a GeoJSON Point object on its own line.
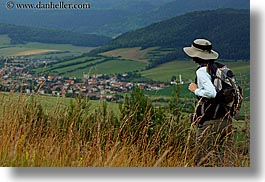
{"type": "Point", "coordinates": [205, 87]}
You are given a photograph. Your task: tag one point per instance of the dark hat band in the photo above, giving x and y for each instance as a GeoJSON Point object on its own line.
{"type": "Point", "coordinates": [203, 47]}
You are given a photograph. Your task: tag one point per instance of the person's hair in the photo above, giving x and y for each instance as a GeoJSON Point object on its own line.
{"type": "Point", "coordinates": [202, 61]}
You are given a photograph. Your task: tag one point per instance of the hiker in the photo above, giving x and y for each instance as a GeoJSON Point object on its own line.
{"type": "Point", "coordinates": [214, 131]}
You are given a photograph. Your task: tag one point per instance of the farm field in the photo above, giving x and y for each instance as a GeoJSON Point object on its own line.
{"type": "Point", "coordinates": [36, 51]}
{"type": "Point", "coordinates": [186, 69]}
{"type": "Point", "coordinates": [110, 62]}
{"type": "Point", "coordinates": [69, 66]}
{"type": "Point", "coordinates": [135, 60]}
{"type": "Point", "coordinates": [164, 72]}
{"type": "Point", "coordinates": [39, 50]}
{"type": "Point", "coordinates": [117, 66]}
{"type": "Point", "coordinates": [136, 53]}
{"type": "Point", "coordinates": [93, 65]}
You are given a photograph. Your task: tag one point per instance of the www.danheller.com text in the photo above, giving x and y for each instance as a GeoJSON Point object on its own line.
{"type": "Point", "coordinates": [49, 5]}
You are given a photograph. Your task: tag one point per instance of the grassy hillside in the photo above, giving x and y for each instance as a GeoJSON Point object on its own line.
{"type": "Point", "coordinates": [76, 135]}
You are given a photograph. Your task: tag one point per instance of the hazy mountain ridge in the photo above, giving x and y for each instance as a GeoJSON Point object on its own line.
{"type": "Point", "coordinates": [112, 17]}
{"type": "Point", "coordinates": [179, 7]}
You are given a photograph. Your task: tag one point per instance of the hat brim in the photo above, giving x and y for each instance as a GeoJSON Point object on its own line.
{"type": "Point", "coordinates": [206, 55]}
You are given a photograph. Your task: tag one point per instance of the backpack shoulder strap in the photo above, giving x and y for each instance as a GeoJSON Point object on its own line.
{"type": "Point", "coordinates": [213, 67]}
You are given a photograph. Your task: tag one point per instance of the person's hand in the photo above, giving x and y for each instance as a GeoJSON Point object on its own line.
{"type": "Point", "coordinates": [193, 87]}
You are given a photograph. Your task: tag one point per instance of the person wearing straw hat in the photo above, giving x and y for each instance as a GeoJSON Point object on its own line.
{"type": "Point", "coordinates": [214, 135]}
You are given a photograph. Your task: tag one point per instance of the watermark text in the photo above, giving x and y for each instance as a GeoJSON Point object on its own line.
{"type": "Point", "coordinates": [48, 6]}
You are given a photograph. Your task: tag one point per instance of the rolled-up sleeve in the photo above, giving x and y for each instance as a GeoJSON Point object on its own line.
{"type": "Point", "coordinates": [205, 85]}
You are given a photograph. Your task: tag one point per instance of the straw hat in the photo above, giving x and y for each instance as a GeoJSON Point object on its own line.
{"type": "Point", "coordinates": [201, 48]}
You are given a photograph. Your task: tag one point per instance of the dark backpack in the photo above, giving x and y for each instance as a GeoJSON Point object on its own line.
{"type": "Point", "coordinates": [228, 90]}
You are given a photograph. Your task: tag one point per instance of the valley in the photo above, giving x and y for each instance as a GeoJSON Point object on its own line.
{"type": "Point", "coordinates": [108, 87]}
{"type": "Point", "coordinates": [65, 64]}
{"type": "Point", "coordinates": [107, 76]}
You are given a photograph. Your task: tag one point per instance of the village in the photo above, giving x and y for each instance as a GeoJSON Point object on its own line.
{"type": "Point", "coordinates": [15, 76]}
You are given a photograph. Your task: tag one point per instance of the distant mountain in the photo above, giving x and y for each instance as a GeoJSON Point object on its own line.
{"type": "Point", "coordinates": [111, 17]}
{"type": "Point", "coordinates": [22, 34]}
{"type": "Point", "coordinates": [101, 18]}
{"type": "Point", "coordinates": [228, 29]}
{"type": "Point", "coordinates": [180, 7]}
{"type": "Point", "coordinates": [130, 5]}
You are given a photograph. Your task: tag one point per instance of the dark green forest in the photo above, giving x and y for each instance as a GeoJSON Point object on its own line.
{"type": "Point", "coordinates": [22, 34]}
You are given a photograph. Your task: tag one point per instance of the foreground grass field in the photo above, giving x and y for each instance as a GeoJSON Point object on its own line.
{"type": "Point", "coordinates": [34, 133]}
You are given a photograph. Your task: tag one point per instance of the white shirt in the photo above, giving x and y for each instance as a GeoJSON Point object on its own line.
{"type": "Point", "coordinates": [205, 85]}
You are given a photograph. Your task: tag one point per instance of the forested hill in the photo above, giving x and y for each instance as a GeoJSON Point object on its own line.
{"type": "Point", "coordinates": [228, 29]}
{"type": "Point", "coordinates": [22, 34]}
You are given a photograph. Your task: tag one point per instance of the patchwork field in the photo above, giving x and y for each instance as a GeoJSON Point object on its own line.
{"type": "Point", "coordinates": [134, 59]}
{"type": "Point", "coordinates": [34, 52]}
{"type": "Point", "coordinates": [93, 65]}
{"type": "Point", "coordinates": [40, 50]}
{"type": "Point", "coordinates": [135, 54]}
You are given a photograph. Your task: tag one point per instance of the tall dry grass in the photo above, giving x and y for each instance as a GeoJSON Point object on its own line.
{"type": "Point", "coordinates": [74, 136]}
